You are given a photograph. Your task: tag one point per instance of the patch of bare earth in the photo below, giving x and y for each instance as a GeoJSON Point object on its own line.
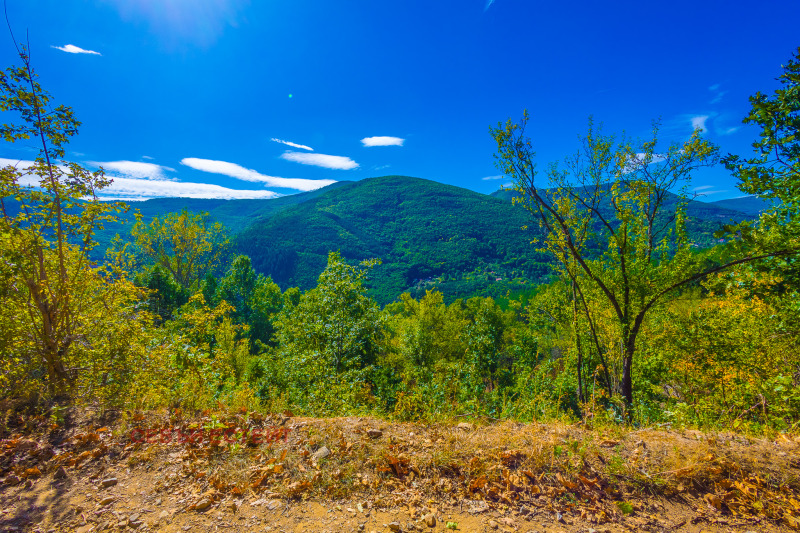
{"type": "Point", "coordinates": [244, 471]}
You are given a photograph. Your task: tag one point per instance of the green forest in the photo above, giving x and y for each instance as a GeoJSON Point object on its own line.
{"type": "Point", "coordinates": [597, 289]}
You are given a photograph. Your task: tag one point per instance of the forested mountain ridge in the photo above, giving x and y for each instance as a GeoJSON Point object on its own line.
{"type": "Point", "coordinates": [419, 229]}
{"type": "Point", "coordinates": [426, 233]}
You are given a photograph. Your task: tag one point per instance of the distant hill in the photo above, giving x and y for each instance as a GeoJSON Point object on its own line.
{"type": "Point", "coordinates": [751, 205]}
{"type": "Point", "coordinates": [703, 215]}
{"type": "Point", "coordinates": [426, 233]}
{"type": "Point", "coordinates": [235, 215]}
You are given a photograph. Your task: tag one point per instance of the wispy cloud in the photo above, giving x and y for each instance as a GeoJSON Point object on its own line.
{"type": "Point", "coordinates": [72, 49]}
{"type": "Point", "coordinates": [699, 122]}
{"type": "Point", "coordinates": [337, 162]}
{"type": "Point", "coordinates": [144, 189]}
{"type": "Point", "coordinates": [245, 174]}
{"type": "Point", "coordinates": [147, 157]}
{"type": "Point", "coordinates": [707, 192]}
{"type": "Point", "coordinates": [702, 188]}
{"type": "Point", "coordinates": [382, 141]}
{"type": "Point", "coordinates": [498, 177]}
{"type": "Point", "coordinates": [728, 131]}
{"type": "Point", "coordinates": [135, 170]}
{"type": "Point", "coordinates": [488, 5]}
{"type": "Point", "coordinates": [293, 145]}
{"type": "Point", "coordinates": [131, 189]}
{"type": "Point", "coordinates": [717, 94]}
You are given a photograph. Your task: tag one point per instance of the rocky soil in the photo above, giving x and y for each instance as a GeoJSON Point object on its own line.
{"type": "Point", "coordinates": [249, 472]}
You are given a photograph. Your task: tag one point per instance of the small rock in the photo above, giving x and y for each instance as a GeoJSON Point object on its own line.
{"type": "Point", "coordinates": [164, 515]}
{"type": "Point", "coordinates": [105, 501]}
{"type": "Point", "coordinates": [430, 520]}
{"type": "Point", "coordinates": [61, 473]}
{"type": "Point", "coordinates": [395, 526]}
{"type": "Point", "coordinates": [110, 482]}
{"type": "Point", "coordinates": [374, 433]}
{"type": "Point", "coordinates": [493, 524]}
{"type": "Point", "coordinates": [466, 426]}
{"type": "Point", "coordinates": [321, 453]}
{"type": "Point", "coordinates": [11, 479]}
{"type": "Point", "coordinates": [274, 504]}
{"type": "Point", "coordinates": [134, 517]}
{"type": "Point", "coordinates": [25, 445]}
{"type": "Point", "coordinates": [202, 505]}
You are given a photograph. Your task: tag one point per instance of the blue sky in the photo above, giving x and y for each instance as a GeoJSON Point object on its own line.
{"type": "Point", "coordinates": [230, 98]}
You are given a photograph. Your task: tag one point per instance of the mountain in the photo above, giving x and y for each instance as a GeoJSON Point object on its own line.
{"type": "Point", "coordinates": [235, 215]}
{"type": "Point", "coordinates": [426, 234]}
{"type": "Point", "coordinates": [734, 209]}
{"type": "Point", "coordinates": [751, 205]}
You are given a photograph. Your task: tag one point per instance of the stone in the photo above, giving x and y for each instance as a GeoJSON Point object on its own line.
{"type": "Point", "coordinates": [374, 433]}
{"type": "Point", "coordinates": [394, 526]}
{"type": "Point", "coordinates": [202, 505]}
{"type": "Point", "coordinates": [493, 524]}
{"type": "Point", "coordinates": [322, 453]}
{"type": "Point", "coordinates": [430, 520]}
{"type": "Point", "coordinates": [107, 500]}
{"type": "Point", "coordinates": [274, 504]}
{"type": "Point", "coordinates": [164, 515]}
{"type": "Point", "coordinates": [25, 445]}
{"type": "Point", "coordinates": [466, 426]}
{"type": "Point", "coordinates": [110, 482]}
{"type": "Point", "coordinates": [60, 473]}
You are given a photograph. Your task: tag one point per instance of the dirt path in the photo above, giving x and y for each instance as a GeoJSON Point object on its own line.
{"type": "Point", "coordinates": [357, 474]}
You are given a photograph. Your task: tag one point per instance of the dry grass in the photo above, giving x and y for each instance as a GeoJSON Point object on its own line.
{"type": "Point", "coordinates": [601, 474]}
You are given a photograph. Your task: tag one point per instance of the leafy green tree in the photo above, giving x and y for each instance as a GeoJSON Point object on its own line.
{"type": "Point", "coordinates": [166, 296]}
{"type": "Point", "coordinates": [628, 199]}
{"type": "Point", "coordinates": [336, 321]}
{"type": "Point", "coordinates": [255, 299]}
{"type": "Point", "coordinates": [774, 171]}
{"type": "Point", "coordinates": [329, 341]}
{"type": "Point", "coordinates": [188, 246]}
{"type": "Point", "coordinates": [50, 212]}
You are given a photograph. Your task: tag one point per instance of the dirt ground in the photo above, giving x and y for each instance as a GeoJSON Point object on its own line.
{"type": "Point", "coordinates": [360, 474]}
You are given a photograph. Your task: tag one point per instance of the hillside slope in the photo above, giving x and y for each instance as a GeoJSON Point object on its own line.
{"type": "Point", "coordinates": [420, 229]}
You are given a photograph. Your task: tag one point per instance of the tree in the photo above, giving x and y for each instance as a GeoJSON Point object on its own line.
{"type": "Point", "coordinates": [255, 300]}
{"type": "Point", "coordinates": [615, 220]}
{"type": "Point", "coordinates": [329, 341]}
{"type": "Point", "coordinates": [774, 171]}
{"type": "Point", "coordinates": [188, 246]}
{"type": "Point", "coordinates": [50, 212]}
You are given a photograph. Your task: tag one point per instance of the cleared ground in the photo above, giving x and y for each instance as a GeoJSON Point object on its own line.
{"type": "Point", "coordinates": [248, 472]}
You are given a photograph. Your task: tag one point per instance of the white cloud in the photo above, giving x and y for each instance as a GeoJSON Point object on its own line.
{"type": "Point", "coordinates": [135, 170]}
{"type": "Point", "coordinates": [126, 188]}
{"type": "Point", "coordinates": [718, 94]}
{"type": "Point", "coordinates": [337, 162]}
{"type": "Point", "coordinates": [143, 189]}
{"type": "Point", "coordinates": [293, 145]}
{"type": "Point", "coordinates": [72, 49]}
{"type": "Point", "coordinates": [702, 188]}
{"type": "Point", "coordinates": [498, 177]}
{"type": "Point", "coordinates": [245, 174]}
{"type": "Point", "coordinates": [729, 131]}
{"type": "Point", "coordinates": [699, 122]}
{"type": "Point", "coordinates": [382, 141]}
{"type": "Point", "coordinates": [488, 5]}
{"type": "Point", "coordinates": [147, 157]}
{"type": "Point", "coordinates": [707, 192]}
